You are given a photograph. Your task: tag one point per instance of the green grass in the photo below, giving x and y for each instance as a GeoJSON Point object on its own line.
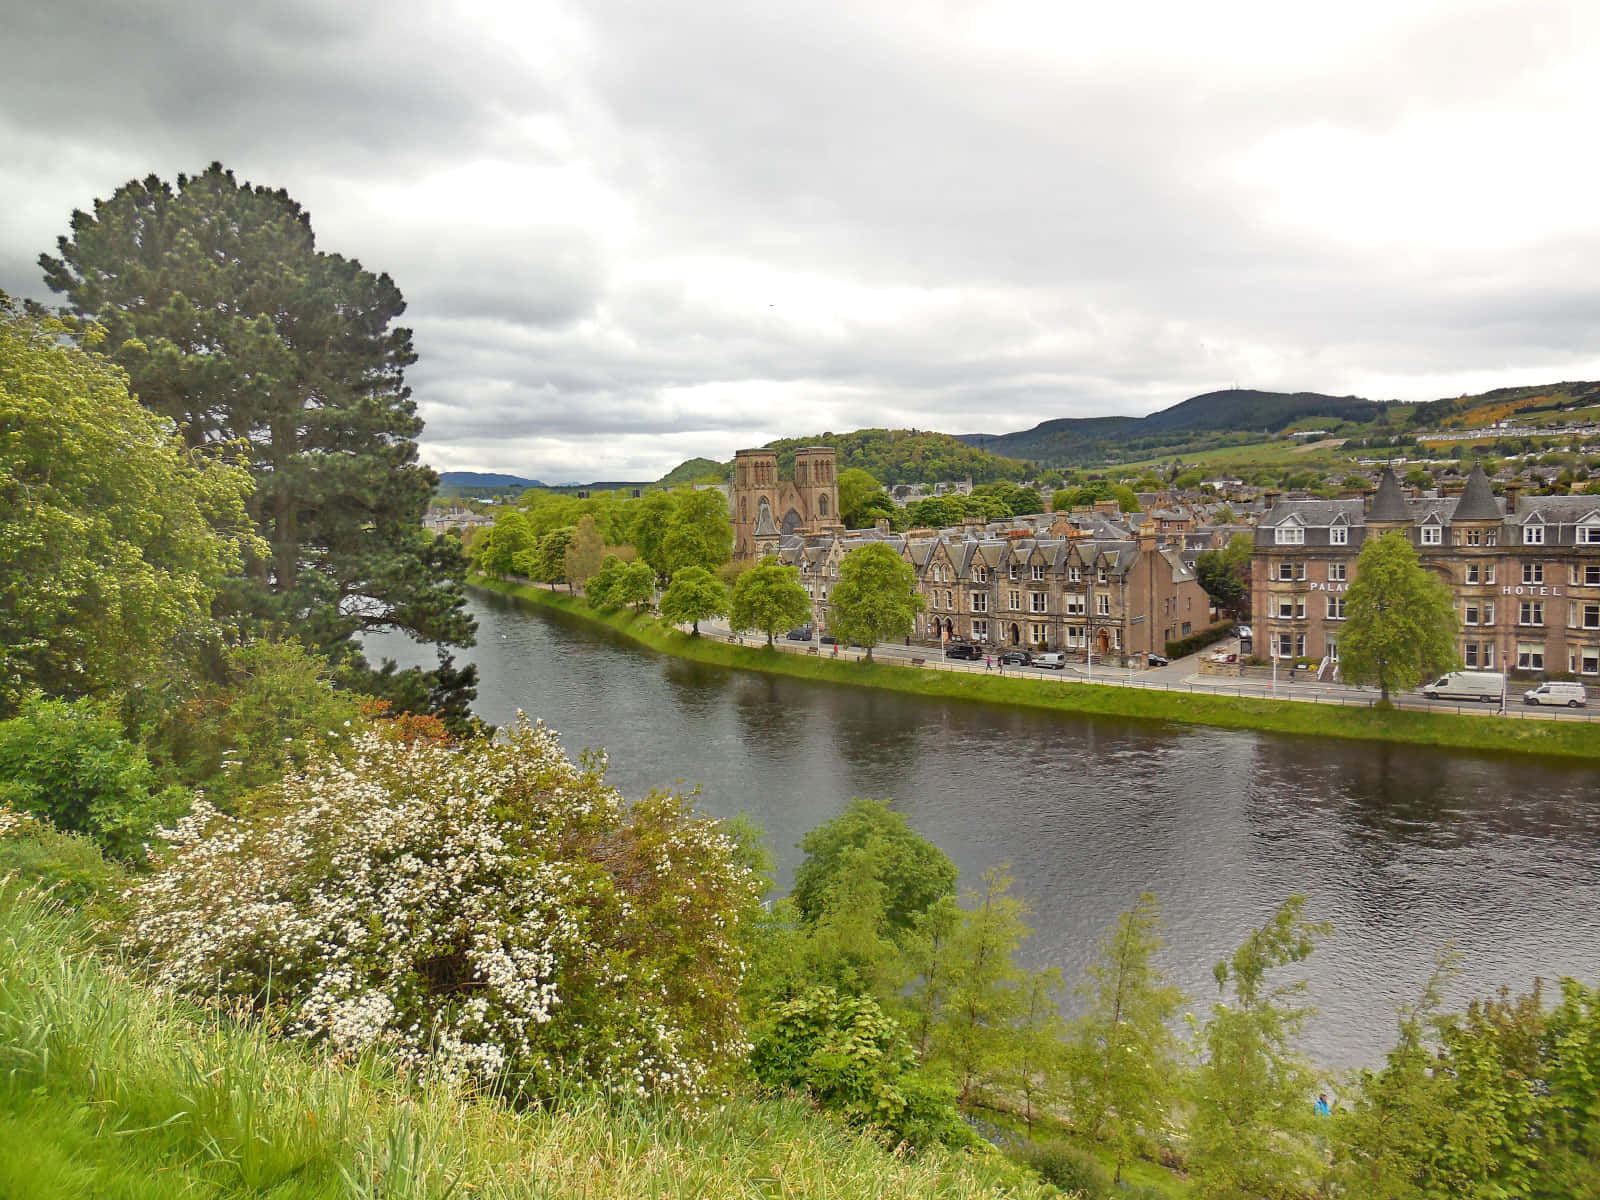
{"type": "Point", "coordinates": [1570, 740]}
{"type": "Point", "coordinates": [113, 1091]}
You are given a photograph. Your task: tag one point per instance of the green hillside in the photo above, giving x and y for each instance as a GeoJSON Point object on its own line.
{"type": "Point", "coordinates": [894, 456]}
{"type": "Point", "coordinates": [695, 470]}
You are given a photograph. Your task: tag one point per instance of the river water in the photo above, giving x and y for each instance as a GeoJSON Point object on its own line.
{"type": "Point", "coordinates": [1403, 849]}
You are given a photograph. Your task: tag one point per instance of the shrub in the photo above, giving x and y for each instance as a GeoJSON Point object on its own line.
{"type": "Point", "coordinates": [1200, 639]}
{"type": "Point", "coordinates": [853, 1058]}
{"type": "Point", "coordinates": [68, 761]}
{"type": "Point", "coordinates": [1069, 1168]}
{"type": "Point", "coordinates": [489, 910]}
{"type": "Point", "coordinates": [69, 865]}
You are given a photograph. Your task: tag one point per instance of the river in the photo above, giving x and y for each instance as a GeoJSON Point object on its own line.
{"type": "Point", "coordinates": [1402, 848]}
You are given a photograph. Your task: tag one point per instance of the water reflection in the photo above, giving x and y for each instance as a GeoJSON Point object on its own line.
{"type": "Point", "coordinates": [1401, 848]}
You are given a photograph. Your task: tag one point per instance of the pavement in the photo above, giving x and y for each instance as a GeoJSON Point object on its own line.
{"type": "Point", "coordinates": [1181, 675]}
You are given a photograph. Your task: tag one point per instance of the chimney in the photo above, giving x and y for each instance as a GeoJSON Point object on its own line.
{"type": "Point", "coordinates": [882, 525]}
{"type": "Point", "coordinates": [1513, 490]}
{"type": "Point", "coordinates": [1147, 538]}
{"type": "Point", "coordinates": [1270, 497]}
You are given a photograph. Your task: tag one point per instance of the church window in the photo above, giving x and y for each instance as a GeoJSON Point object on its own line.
{"type": "Point", "coordinates": [822, 505]}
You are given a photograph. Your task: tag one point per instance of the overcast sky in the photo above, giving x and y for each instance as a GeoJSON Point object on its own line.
{"type": "Point", "coordinates": [634, 233]}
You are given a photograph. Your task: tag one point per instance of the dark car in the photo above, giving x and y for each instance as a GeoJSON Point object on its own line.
{"type": "Point", "coordinates": [829, 640]}
{"type": "Point", "coordinates": [799, 634]}
{"type": "Point", "coordinates": [1016, 658]}
{"type": "Point", "coordinates": [1157, 660]}
{"type": "Point", "coordinates": [963, 650]}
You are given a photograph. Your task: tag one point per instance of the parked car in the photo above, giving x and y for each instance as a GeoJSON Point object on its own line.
{"type": "Point", "coordinates": [1050, 660]}
{"type": "Point", "coordinates": [1558, 691]}
{"type": "Point", "coordinates": [829, 640]}
{"type": "Point", "coordinates": [1016, 658]}
{"type": "Point", "coordinates": [1157, 660]}
{"type": "Point", "coordinates": [800, 633]}
{"type": "Point", "coordinates": [1486, 686]}
{"type": "Point", "coordinates": [963, 650]}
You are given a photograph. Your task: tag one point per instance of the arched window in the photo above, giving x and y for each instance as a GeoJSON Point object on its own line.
{"type": "Point", "coordinates": [822, 505]}
{"type": "Point", "coordinates": [744, 509]}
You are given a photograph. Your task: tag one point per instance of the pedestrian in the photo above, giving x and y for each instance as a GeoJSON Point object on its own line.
{"type": "Point", "coordinates": [1322, 1106]}
{"type": "Point", "coordinates": [987, 663]}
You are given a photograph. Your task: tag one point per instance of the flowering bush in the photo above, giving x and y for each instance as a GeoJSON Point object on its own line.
{"type": "Point", "coordinates": [490, 910]}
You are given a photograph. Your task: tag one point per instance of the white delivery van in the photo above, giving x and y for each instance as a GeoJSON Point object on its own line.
{"type": "Point", "coordinates": [1467, 685]}
{"type": "Point", "coordinates": [1559, 691]}
{"type": "Point", "coordinates": [1051, 660]}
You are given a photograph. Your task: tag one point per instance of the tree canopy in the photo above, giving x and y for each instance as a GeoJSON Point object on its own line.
{"type": "Point", "coordinates": [693, 595]}
{"type": "Point", "coordinates": [769, 597]}
{"type": "Point", "coordinates": [876, 597]}
{"type": "Point", "coordinates": [231, 323]}
{"type": "Point", "coordinates": [1400, 621]}
{"type": "Point", "coordinates": [114, 539]}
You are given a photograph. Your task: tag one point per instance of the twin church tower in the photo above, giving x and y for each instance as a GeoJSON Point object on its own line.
{"type": "Point", "coordinates": [766, 507]}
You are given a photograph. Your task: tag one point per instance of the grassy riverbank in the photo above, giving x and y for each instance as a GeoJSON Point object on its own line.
{"type": "Point", "coordinates": [111, 1089]}
{"type": "Point", "coordinates": [1570, 740]}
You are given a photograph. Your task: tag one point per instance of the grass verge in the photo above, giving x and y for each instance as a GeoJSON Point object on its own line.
{"type": "Point", "coordinates": [1552, 739]}
{"type": "Point", "coordinates": [111, 1090]}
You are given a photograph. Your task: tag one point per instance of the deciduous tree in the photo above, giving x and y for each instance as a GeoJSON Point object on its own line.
{"type": "Point", "coordinates": [1400, 621]}
{"type": "Point", "coordinates": [768, 597]}
{"type": "Point", "coordinates": [694, 595]}
{"type": "Point", "coordinates": [876, 597]}
{"type": "Point", "coordinates": [231, 323]}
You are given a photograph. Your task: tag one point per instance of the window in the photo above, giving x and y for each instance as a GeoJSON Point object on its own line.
{"type": "Point", "coordinates": [1074, 635]}
{"type": "Point", "coordinates": [980, 631]}
{"type": "Point", "coordinates": [1285, 609]}
{"type": "Point", "coordinates": [1469, 654]}
{"type": "Point", "coordinates": [1015, 599]}
{"type": "Point", "coordinates": [1036, 634]}
{"type": "Point", "coordinates": [1474, 537]}
{"type": "Point", "coordinates": [1285, 646]}
{"type": "Point", "coordinates": [1286, 570]}
{"type": "Point", "coordinates": [1336, 572]}
{"type": "Point", "coordinates": [1531, 612]}
{"type": "Point", "coordinates": [1036, 602]}
{"type": "Point", "coordinates": [1533, 535]}
{"type": "Point", "coordinates": [1102, 605]}
{"type": "Point", "coordinates": [1291, 535]}
{"type": "Point", "coordinates": [1473, 614]}
{"type": "Point", "coordinates": [1339, 535]}
{"type": "Point", "coordinates": [1011, 572]}
{"type": "Point", "coordinates": [981, 575]}
{"type": "Point", "coordinates": [1333, 649]}
{"type": "Point", "coordinates": [1589, 660]}
{"type": "Point", "coordinates": [1530, 656]}
{"type": "Point", "coordinates": [1036, 571]}
{"type": "Point", "coordinates": [1074, 605]}
{"type": "Point", "coordinates": [1474, 573]}
{"type": "Point", "coordinates": [1532, 572]}
{"type": "Point", "coordinates": [1432, 535]}
{"type": "Point", "coordinates": [1589, 535]}
{"type": "Point", "coordinates": [1591, 576]}
{"type": "Point", "coordinates": [1074, 575]}
{"type": "Point", "coordinates": [1187, 629]}
{"type": "Point", "coordinates": [949, 599]}
{"type": "Point", "coordinates": [1591, 614]}
{"type": "Point", "coordinates": [1335, 608]}
{"type": "Point", "coordinates": [1491, 537]}
{"type": "Point", "coordinates": [1100, 575]}
{"type": "Point", "coordinates": [980, 601]}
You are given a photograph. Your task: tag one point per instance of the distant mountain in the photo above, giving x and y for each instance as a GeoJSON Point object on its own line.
{"type": "Point", "coordinates": [481, 479]}
{"type": "Point", "coordinates": [1071, 440]}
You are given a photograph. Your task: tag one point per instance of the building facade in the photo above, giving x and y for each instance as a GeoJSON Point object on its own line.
{"type": "Point", "coordinates": [1082, 584]}
{"type": "Point", "coordinates": [765, 508]}
{"type": "Point", "coordinates": [1524, 572]}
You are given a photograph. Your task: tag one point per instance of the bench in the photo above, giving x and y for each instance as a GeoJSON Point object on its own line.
{"type": "Point", "coordinates": [917, 662]}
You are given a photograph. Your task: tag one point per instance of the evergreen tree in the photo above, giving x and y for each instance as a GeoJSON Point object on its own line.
{"type": "Point", "coordinates": [1400, 621]}
{"type": "Point", "coordinates": [232, 323]}
{"type": "Point", "coordinates": [1125, 1065]}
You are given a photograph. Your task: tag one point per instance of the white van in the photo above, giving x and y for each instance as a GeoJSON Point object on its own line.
{"type": "Point", "coordinates": [1051, 660]}
{"type": "Point", "coordinates": [1560, 691]}
{"type": "Point", "coordinates": [1467, 685]}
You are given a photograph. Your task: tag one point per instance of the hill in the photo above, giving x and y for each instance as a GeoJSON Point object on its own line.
{"type": "Point", "coordinates": [1201, 422]}
{"type": "Point", "coordinates": [482, 479]}
{"type": "Point", "coordinates": [907, 456]}
{"type": "Point", "coordinates": [695, 470]}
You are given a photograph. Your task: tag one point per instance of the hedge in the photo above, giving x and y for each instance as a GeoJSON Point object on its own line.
{"type": "Point", "coordinates": [1200, 640]}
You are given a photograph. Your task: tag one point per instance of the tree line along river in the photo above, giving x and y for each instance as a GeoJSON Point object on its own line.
{"type": "Point", "coordinates": [1403, 848]}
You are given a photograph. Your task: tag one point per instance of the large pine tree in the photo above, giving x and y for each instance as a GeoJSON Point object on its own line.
{"type": "Point", "coordinates": [231, 322]}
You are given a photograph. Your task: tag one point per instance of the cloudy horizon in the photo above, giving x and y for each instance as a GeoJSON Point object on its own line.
{"type": "Point", "coordinates": [625, 243]}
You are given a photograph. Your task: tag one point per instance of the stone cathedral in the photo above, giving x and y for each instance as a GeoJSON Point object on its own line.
{"type": "Point", "coordinates": [765, 507]}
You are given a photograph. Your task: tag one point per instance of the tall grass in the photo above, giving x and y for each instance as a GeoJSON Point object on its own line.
{"type": "Point", "coordinates": [1554, 739]}
{"type": "Point", "coordinates": [109, 1089]}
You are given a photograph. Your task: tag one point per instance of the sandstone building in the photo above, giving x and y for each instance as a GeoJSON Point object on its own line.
{"type": "Point", "coordinates": [1525, 572]}
{"type": "Point", "coordinates": [765, 507]}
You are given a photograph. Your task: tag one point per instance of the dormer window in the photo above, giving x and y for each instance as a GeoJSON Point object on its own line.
{"type": "Point", "coordinates": [1432, 535]}
{"type": "Point", "coordinates": [1036, 571]}
{"type": "Point", "coordinates": [1533, 535]}
{"type": "Point", "coordinates": [1589, 531]}
{"type": "Point", "coordinates": [1291, 535]}
{"type": "Point", "coordinates": [1338, 535]}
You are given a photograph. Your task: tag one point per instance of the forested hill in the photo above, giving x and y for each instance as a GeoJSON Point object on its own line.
{"type": "Point", "coordinates": [1072, 440]}
{"type": "Point", "coordinates": [483, 479]}
{"type": "Point", "coordinates": [906, 456]}
{"type": "Point", "coordinates": [695, 470]}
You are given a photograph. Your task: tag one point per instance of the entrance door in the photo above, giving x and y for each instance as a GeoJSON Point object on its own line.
{"type": "Point", "coordinates": [1105, 641]}
{"type": "Point", "coordinates": [1016, 635]}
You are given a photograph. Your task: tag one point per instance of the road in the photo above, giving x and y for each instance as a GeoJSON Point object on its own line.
{"type": "Point", "coordinates": [1181, 675]}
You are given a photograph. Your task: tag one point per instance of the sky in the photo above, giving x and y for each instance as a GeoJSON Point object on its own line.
{"type": "Point", "coordinates": [631, 234]}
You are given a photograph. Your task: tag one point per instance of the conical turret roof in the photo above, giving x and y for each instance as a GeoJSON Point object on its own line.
{"type": "Point", "coordinates": [1390, 502]}
{"type": "Point", "coordinates": [1477, 503]}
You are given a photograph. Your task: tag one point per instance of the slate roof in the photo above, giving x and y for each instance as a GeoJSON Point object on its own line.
{"type": "Point", "coordinates": [1390, 502]}
{"type": "Point", "coordinates": [1477, 503]}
